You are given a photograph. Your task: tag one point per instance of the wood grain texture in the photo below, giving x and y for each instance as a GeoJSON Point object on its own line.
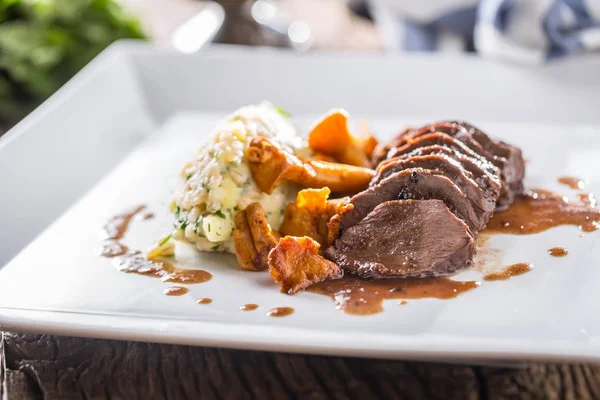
{"type": "Point", "coordinates": [54, 367]}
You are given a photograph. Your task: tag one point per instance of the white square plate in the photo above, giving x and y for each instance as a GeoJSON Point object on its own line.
{"type": "Point", "coordinates": [117, 135]}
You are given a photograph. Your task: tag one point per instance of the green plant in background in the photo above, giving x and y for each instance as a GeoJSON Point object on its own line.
{"type": "Point", "coordinates": [43, 43]}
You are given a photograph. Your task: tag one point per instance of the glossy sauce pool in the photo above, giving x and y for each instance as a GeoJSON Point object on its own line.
{"type": "Point", "coordinates": [558, 251]}
{"type": "Point", "coordinates": [280, 312]}
{"type": "Point", "coordinates": [509, 272]}
{"type": "Point", "coordinates": [249, 307]}
{"type": "Point", "coordinates": [572, 182]}
{"type": "Point", "coordinates": [116, 227]}
{"type": "Point", "coordinates": [175, 291]}
{"type": "Point", "coordinates": [138, 264]}
{"type": "Point", "coordinates": [365, 297]}
{"type": "Point", "coordinates": [539, 210]}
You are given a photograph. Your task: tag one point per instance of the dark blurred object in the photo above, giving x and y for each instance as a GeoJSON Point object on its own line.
{"type": "Point", "coordinates": [299, 24]}
{"type": "Point", "coordinates": [44, 43]}
{"type": "Point", "coordinates": [264, 23]}
{"type": "Point", "coordinates": [361, 8]}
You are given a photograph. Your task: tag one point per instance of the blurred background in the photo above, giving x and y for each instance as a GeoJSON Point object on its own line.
{"type": "Point", "coordinates": [43, 43]}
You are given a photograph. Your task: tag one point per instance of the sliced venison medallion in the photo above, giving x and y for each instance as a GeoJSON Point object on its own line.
{"type": "Point", "coordinates": [484, 173]}
{"type": "Point", "coordinates": [405, 238]}
{"type": "Point", "coordinates": [415, 183]}
{"type": "Point", "coordinates": [508, 158]}
{"type": "Point", "coordinates": [483, 202]}
{"type": "Point", "coordinates": [507, 191]}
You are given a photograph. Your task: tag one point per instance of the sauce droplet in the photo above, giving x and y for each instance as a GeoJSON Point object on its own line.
{"type": "Point", "coordinates": [509, 272]}
{"type": "Point", "coordinates": [587, 199]}
{"type": "Point", "coordinates": [147, 216]}
{"type": "Point", "coordinates": [249, 307]}
{"type": "Point", "coordinates": [116, 227]}
{"type": "Point", "coordinates": [111, 248]}
{"type": "Point", "coordinates": [558, 251]}
{"type": "Point", "coordinates": [403, 303]}
{"type": "Point", "coordinates": [205, 300]}
{"type": "Point", "coordinates": [138, 264]}
{"type": "Point", "coordinates": [175, 291]}
{"type": "Point", "coordinates": [540, 210]}
{"type": "Point", "coordinates": [280, 312]}
{"type": "Point", "coordinates": [573, 183]}
{"type": "Point", "coordinates": [365, 297]}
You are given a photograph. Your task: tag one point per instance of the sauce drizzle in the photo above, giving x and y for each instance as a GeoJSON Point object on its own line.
{"type": "Point", "coordinates": [138, 264]}
{"type": "Point", "coordinates": [280, 312]}
{"type": "Point", "coordinates": [539, 210]}
{"type": "Point", "coordinates": [111, 248]}
{"type": "Point", "coordinates": [249, 307]}
{"type": "Point", "coordinates": [509, 272]}
{"type": "Point", "coordinates": [175, 291]}
{"type": "Point", "coordinates": [204, 300]}
{"type": "Point", "coordinates": [365, 297]}
{"type": "Point", "coordinates": [573, 183]}
{"type": "Point", "coordinates": [116, 227]}
{"type": "Point", "coordinates": [558, 251]}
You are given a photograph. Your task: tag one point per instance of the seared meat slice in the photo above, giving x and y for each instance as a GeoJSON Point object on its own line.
{"type": "Point", "coordinates": [459, 132]}
{"type": "Point", "coordinates": [484, 173]}
{"type": "Point", "coordinates": [442, 139]}
{"type": "Point", "coordinates": [485, 204]}
{"type": "Point", "coordinates": [414, 183]}
{"type": "Point", "coordinates": [438, 139]}
{"type": "Point", "coordinates": [405, 238]}
{"type": "Point", "coordinates": [508, 158]}
{"type": "Point", "coordinates": [513, 168]}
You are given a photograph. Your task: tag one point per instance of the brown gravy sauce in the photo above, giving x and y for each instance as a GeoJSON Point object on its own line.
{"type": "Point", "coordinates": [175, 291]}
{"type": "Point", "coordinates": [138, 264]}
{"type": "Point", "coordinates": [509, 272]}
{"type": "Point", "coordinates": [558, 251]}
{"type": "Point", "coordinates": [111, 248]}
{"type": "Point", "coordinates": [588, 199]}
{"type": "Point", "coordinates": [204, 300]}
{"type": "Point", "coordinates": [365, 297]}
{"type": "Point", "coordinates": [403, 303]}
{"type": "Point", "coordinates": [147, 216]}
{"type": "Point", "coordinates": [573, 183]}
{"type": "Point", "coordinates": [116, 227]}
{"type": "Point", "coordinates": [539, 210]}
{"type": "Point", "coordinates": [280, 312]}
{"type": "Point", "coordinates": [249, 307]}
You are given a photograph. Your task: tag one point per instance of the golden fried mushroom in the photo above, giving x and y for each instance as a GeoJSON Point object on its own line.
{"type": "Point", "coordinates": [295, 264]}
{"type": "Point", "coordinates": [330, 136]}
{"type": "Point", "coordinates": [310, 215]}
{"type": "Point", "coordinates": [253, 238]}
{"type": "Point", "coordinates": [269, 166]}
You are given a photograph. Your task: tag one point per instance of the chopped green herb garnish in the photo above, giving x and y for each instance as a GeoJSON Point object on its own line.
{"type": "Point", "coordinates": [209, 227]}
{"type": "Point", "coordinates": [183, 225]}
{"type": "Point", "coordinates": [282, 112]}
{"type": "Point", "coordinates": [215, 248]}
{"type": "Point", "coordinates": [220, 214]}
{"type": "Point", "coordinates": [164, 241]}
{"type": "Point", "coordinates": [188, 176]}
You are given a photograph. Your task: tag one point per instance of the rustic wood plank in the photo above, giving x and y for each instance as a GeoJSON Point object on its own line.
{"type": "Point", "coordinates": [54, 367]}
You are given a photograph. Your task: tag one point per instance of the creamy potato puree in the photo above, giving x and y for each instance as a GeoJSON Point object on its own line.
{"type": "Point", "coordinates": [217, 183]}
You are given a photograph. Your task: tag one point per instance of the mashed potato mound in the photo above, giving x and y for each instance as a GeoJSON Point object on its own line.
{"type": "Point", "coordinates": [217, 183]}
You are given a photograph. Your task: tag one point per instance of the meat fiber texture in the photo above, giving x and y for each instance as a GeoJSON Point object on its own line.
{"type": "Point", "coordinates": [436, 187]}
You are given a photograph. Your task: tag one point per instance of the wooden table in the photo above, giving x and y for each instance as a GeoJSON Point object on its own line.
{"type": "Point", "coordinates": [52, 367]}
{"type": "Point", "coordinates": [35, 366]}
